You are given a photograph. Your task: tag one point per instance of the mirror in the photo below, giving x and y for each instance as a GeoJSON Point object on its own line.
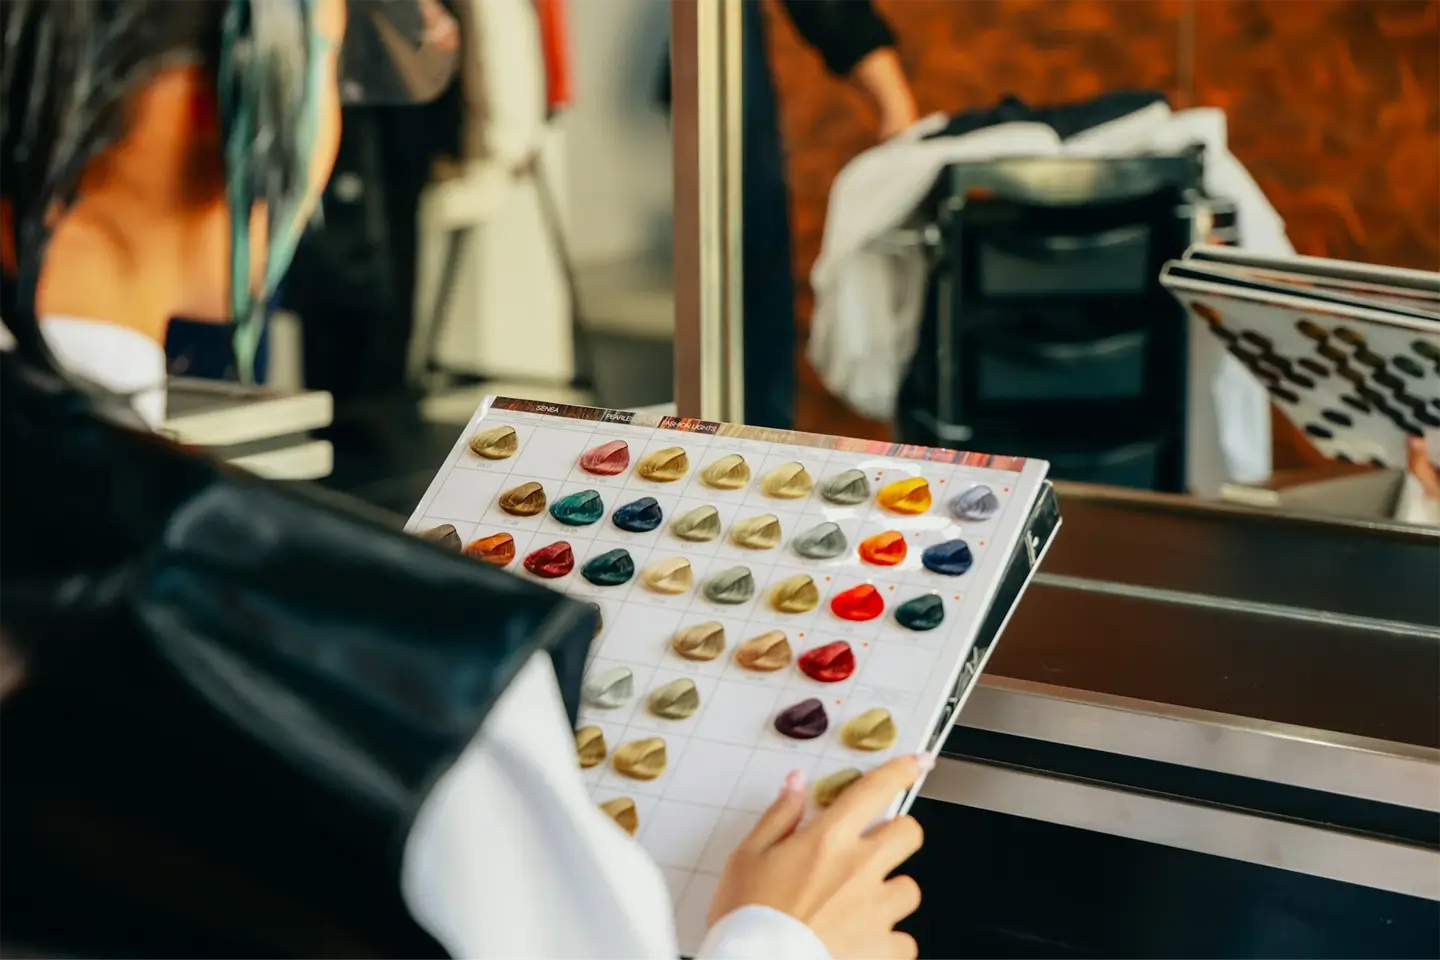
{"type": "Point", "coordinates": [969, 283]}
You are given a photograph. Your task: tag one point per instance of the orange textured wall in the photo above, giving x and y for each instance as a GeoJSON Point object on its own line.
{"type": "Point", "coordinates": [1334, 106]}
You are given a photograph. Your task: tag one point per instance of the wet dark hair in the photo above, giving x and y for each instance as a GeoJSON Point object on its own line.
{"type": "Point", "coordinates": [67, 79]}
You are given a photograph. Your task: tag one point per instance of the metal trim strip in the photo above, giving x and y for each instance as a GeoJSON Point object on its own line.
{"type": "Point", "coordinates": [1255, 608]}
{"type": "Point", "coordinates": [1386, 772]}
{"type": "Point", "coordinates": [1379, 864]}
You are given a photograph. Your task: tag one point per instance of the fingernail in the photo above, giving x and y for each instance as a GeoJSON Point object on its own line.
{"type": "Point", "coordinates": [794, 782]}
{"type": "Point", "coordinates": [925, 762]}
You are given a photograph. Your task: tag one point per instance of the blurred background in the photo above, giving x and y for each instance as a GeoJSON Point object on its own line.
{"type": "Point", "coordinates": [538, 259]}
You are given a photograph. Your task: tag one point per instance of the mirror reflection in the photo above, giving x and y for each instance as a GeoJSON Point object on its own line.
{"type": "Point", "coordinates": [981, 197]}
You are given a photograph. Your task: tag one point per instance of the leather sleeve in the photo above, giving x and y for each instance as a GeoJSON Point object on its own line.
{"type": "Point", "coordinates": [843, 32]}
{"type": "Point", "coordinates": [236, 695]}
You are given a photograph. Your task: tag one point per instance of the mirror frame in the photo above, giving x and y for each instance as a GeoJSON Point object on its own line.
{"type": "Point", "coordinates": [706, 78]}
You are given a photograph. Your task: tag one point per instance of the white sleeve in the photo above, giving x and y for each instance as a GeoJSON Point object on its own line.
{"type": "Point", "coordinates": [116, 356]}
{"type": "Point", "coordinates": [760, 933]}
{"type": "Point", "coordinates": [510, 858]}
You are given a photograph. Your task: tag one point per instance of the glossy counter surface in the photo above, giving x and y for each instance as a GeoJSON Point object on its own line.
{"type": "Point", "coordinates": [1224, 681]}
{"type": "Point", "coordinates": [1329, 626]}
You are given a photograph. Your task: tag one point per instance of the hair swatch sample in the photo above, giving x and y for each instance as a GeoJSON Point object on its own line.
{"type": "Point", "coordinates": [579, 509]}
{"type": "Point", "coordinates": [497, 443]}
{"type": "Point", "coordinates": [732, 586]}
{"type": "Point", "coordinates": [757, 533]}
{"type": "Point", "coordinates": [606, 460]}
{"type": "Point", "coordinates": [664, 466]}
{"type": "Point", "coordinates": [949, 559]}
{"type": "Point", "coordinates": [872, 730]}
{"type": "Point", "coordinates": [884, 549]}
{"type": "Point", "coordinates": [551, 562]}
{"type": "Point", "coordinates": [609, 569]}
{"type": "Point", "coordinates": [846, 489]}
{"type": "Point", "coordinates": [704, 641]}
{"type": "Point", "coordinates": [730, 472]}
{"type": "Point", "coordinates": [498, 549]}
{"type": "Point", "coordinates": [641, 759]}
{"type": "Point", "coordinates": [805, 720]}
{"type": "Point", "coordinates": [824, 541]}
{"type": "Point", "coordinates": [622, 811]}
{"type": "Point", "coordinates": [789, 481]}
{"type": "Point", "coordinates": [526, 500]}
{"type": "Point", "coordinates": [829, 663]}
{"type": "Point", "coordinates": [766, 653]}
{"type": "Point", "coordinates": [444, 535]}
{"type": "Point", "coordinates": [828, 789]}
{"type": "Point", "coordinates": [671, 576]}
{"type": "Point", "coordinates": [610, 689]}
{"type": "Point", "coordinates": [590, 746]}
{"type": "Point", "coordinates": [676, 700]}
{"type": "Point", "coordinates": [700, 525]}
{"type": "Point", "coordinates": [858, 603]}
{"type": "Point", "coordinates": [909, 497]}
{"type": "Point", "coordinates": [639, 516]}
{"type": "Point", "coordinates": [797, 594]}
{"type": "Point", "coordinates": [922, 613]}
{"type": "Point", "coordinates": [977, 503]}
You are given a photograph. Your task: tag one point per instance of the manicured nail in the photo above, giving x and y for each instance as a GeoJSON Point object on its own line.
{"type": "Point", "coordinates": [794, 782]}
{"type": "Point", "coordinates": [925, 762]}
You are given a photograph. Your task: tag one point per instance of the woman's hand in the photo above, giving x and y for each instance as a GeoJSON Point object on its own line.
{"type": "Point", "coordinates": [830, 875]}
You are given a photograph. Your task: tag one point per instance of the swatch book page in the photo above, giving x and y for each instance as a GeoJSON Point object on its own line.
{"type": "Point", "coordinates": [1354, 363]}
{"type": "Point", "coordinates": [770, 601]}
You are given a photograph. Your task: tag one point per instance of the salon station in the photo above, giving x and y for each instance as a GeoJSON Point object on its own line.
{"type": "Point", "coordinates": [1211, 726]}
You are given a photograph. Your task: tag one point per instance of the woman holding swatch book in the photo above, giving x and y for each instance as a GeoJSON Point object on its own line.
{"type": "Point", "coordinates": [239, 721]}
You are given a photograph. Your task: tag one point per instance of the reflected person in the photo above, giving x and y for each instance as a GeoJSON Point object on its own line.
{"type": "Point", "coordinates": [855, 43]}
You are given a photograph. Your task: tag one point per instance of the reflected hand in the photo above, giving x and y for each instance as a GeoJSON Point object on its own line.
{"type": "Point", "coordinates": [1422, 469]}
{"type": "Point", "coordinates": [830, 874]}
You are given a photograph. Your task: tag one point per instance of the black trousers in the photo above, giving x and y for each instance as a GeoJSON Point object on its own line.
{"type": "Point", "coordinates": [353, 280]}
{"type": "Point", "coordinates": [769, 286]}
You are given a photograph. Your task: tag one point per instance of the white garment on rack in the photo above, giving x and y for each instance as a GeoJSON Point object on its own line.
{"type": "Point", "coordinates": [869, 296]}
{"type": "Point", "coordinates": [508, 857]}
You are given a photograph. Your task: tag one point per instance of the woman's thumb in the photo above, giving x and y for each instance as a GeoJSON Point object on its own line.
{"type": "Point", "coordinates": [781, 819]}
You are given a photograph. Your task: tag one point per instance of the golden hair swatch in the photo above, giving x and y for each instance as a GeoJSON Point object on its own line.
{"type": "Point", "coordinates": [703, 642]}
{"type": "Point", "coordinates": [590, 746]}
{"type": "Point", "coordinates": [730, 472]}
{"type": "Point", "coordinates": [496, 443]}
{"type": "Point", "coordinates": [641, 759]}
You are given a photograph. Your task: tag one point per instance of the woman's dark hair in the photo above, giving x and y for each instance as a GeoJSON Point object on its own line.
{"type": "Point", "coordinates": [68, 72]}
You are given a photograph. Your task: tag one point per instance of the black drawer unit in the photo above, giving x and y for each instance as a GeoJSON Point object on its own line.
{"type": "Point", "coordinates": [1046, 332]}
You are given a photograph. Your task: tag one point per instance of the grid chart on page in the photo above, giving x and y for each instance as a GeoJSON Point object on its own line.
{"type": "Point", "coordinates": [1358, 383]}
{"type": "Point", "coordinates": [725, 761]}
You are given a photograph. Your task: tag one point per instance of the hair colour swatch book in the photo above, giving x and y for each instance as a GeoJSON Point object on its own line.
{"type": "Point", "coordinates": [1349, 352]}
{"type": "Point", "coordinates": [770, 601]}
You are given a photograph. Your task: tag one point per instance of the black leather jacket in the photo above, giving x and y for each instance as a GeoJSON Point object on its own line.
{"type": "Point", "coordinates": [236, 696]}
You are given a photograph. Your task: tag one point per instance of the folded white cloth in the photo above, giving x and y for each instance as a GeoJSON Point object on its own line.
{"type": "Point", "coordinates": [869, 297]}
